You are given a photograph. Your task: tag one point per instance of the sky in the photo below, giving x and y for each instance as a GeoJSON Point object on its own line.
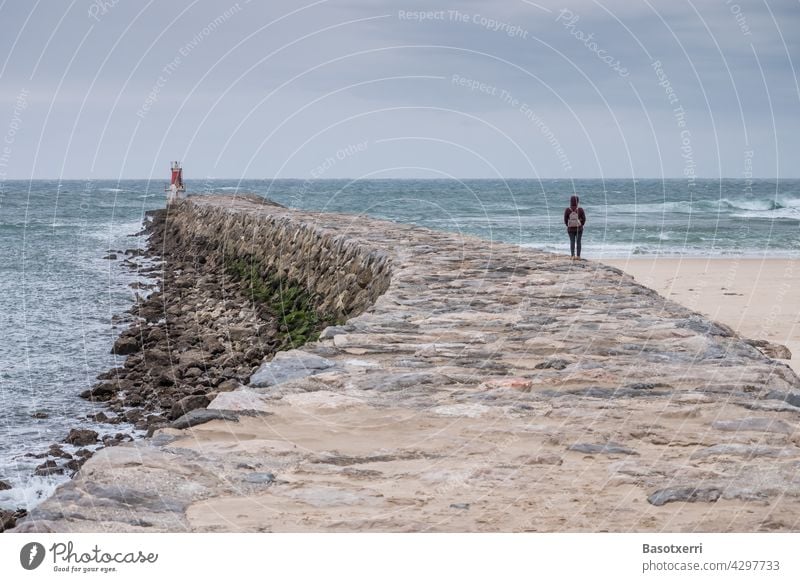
{"type": "Point", "coordinates": [398, 89]}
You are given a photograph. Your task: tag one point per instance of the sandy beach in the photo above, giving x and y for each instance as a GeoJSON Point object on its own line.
{"type": "Point", "coordinates": [756, 297]}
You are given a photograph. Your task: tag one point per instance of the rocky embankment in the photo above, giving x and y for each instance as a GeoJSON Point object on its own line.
{"type": "Point", "coordinates": [200, 334]}
{"type": "Point", "coordinates": [458, 385]}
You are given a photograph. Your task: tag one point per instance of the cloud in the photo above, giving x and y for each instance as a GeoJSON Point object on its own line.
{"type": "Point", "coordinates": [257, 88]}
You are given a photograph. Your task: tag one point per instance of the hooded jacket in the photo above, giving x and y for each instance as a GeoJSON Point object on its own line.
{"type": "Point", "coordinates": [574, 202]}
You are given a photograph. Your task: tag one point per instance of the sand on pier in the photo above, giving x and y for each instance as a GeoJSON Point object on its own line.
{"type": "Point", "coordinates": [756, 297]}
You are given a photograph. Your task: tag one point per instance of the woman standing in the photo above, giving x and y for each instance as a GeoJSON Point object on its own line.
{"type": "Point", "coordinates": [574, 219]}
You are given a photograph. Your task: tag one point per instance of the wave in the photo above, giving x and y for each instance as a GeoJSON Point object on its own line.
{"type": "Point", "coordinates": [696, 206]}
{"type": "Point", "coordinates": [111, 190]}
{"type": "Point", "coordinates": [622, 251]}
{"type": "Point", "coordinates": [780, 213]}
{"type": "Point", "coordinates": [32, 492]}
{"type": "Point", "coordinates": [751, 204]}
{"type": "Point", "coordinates": [788, 202]}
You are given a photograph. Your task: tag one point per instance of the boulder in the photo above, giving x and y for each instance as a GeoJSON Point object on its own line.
{"type": "Point", "coordinates": [201, 416]}
{"type": "Point", "coordinates": [156, 357]}
{"type": "Point", "coordinates": [4, 485]}
{"type": "Point", "coordinates": [193, 359]}
{"type": "Point", "coordinates": [228, 386]}
{"type": "Point", "coordinates": [291, 365]}
{"type": "Point", "coordinates": [101, 392]}
{"type": "Point", "coordinates": [193, 373]}
{"type": "Point", "coordinates": [8, 519]}
{"type": "Point", "coordinates": [687, 494]}
{"type": "Point", "coordinates": [126, 345]}
{"type": "Point", "coordinates": [48, 468]}
{"type": "Point", "coordinates": [754, 424]}
{"type": "Point", "coordinates": [80, 437]}
{"type": "Point", "coordinates": [771, 350]}
{"type": "Point", "coordinates": [239, 333]}
{"type": "Point", "coordinates": [187, 404]}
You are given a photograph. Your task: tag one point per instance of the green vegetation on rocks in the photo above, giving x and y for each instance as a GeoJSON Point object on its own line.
{"type": "Point", "coordinates": [299, 320]}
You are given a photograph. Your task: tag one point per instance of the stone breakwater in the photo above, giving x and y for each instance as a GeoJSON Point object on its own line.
{"type": "Point", "coordinates": [460, 385]}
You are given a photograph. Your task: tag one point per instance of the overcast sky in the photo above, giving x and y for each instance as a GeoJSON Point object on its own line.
{"type": "Point", "coordinates": [388, 88]}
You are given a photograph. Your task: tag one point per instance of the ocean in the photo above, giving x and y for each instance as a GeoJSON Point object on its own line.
{"type": "Point", "coordinates": [59, 296]}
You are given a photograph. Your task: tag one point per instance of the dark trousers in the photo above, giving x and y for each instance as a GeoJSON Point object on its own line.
{"type": "Point", "coordinates": [575, 238]}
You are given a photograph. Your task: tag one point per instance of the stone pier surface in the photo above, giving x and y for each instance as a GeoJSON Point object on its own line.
{"type": "Point", "coordinates": [476, 386]}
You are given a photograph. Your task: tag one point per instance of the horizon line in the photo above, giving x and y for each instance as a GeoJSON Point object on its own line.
{"type": "Point", "coordinates": [166, 179]}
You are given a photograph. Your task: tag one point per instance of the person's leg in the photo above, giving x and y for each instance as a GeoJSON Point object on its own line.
{"type": "Point", "coordinates": [571, 244]}
{"type": "Point", "coordinates": [578, 237]}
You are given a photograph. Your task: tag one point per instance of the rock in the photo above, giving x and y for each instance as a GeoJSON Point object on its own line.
{"type": "Point", "coordinates": [555, 364]}
{"type": "Point", "coordinates": [193, 373]}
{"type": "Point", "coordinates": [133, 415]}
{"type": "Point", "coordinates": [228, 386]}
{"type": "Point", "coordinates": [771, 350]}
{"type": "Point", "coordinates": [34, 527]}
{"type": "Point", "coordinates": [4, 485]}
{"type": "Point", "coordinates": [40, 414]}
{"type": "Point", "coordinates": [187, 404]}
{"type": "Point", "coordinates": [754, 424]}
{"type": "Point", "coordinates": [605, 449]}
{"type": "Point", "coordinates": [201, 416]}
{"type": "Point", "coordinates": [787, 397]}
{"type": "Point", "coordinates": [540, 460]}
{"type": "Point", "coordinates": [156, 357]}
{"type": "Point", "coordinates": [156, 335]}
{"type": "Point", "coordinates": [99, 417]}
{"type": "Point", "coordinates": [237, 333]}
{"type": "Point", "coordinates": [747, 451]}
{"type": "Point", "coordinates": [111, 257]}
{"type": "Point", "coordinates": [132, 400]}
{"type": "Point", "coordinates": [153, 419]}
{"type": "Point", "coordinates": [259, 478]}
{"type": "Point", "coordinates": [126, 345]}
{"type": "Point", "coordinates": [80, 437]}
{"type": "Point", "coordinates": [465, 410]}
{"type": "Point", "coordinates": [519, 384]}
{"type": "Point", "coordinates": [334, 330]}
{"type": "Point", "coordinates": [688, 494]}
{"type": "Point", "coordinates": [459, 505]}
{"type": "Point", "coordinates": [48, 468]}
{"type": "Point", "coordinates": [7, 520]}
{"type": "Point", "coordinates": [56, 451]}
{"type": "Point", "coordinates": [240, 400]}
{"type": "Point", "coordinates": [290, 365]}
{"type": "Point", "coordinates": [194, 359]}
{"type": "Point", "coordinates": [705, 326]}
{"type": "Point", "coordinates": [101, 393]}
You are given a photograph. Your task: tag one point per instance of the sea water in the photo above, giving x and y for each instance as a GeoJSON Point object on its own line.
{"type": "Point", "coordinates": [59, 295]}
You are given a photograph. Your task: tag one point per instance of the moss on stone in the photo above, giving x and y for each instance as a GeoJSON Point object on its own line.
{"type": "Point", "coordinates": [295, 309]}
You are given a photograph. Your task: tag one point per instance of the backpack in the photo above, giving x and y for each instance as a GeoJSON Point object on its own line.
{"type": "Point", "coordinates": [574, 220]}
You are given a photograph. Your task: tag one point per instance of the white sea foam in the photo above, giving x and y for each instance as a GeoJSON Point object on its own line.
{"type": "Point", "coordinates": [752, 204]}
{"type": "Point", "coordinates": [31, 493]}
{"type": "Point", "coordinates": [777, 214]}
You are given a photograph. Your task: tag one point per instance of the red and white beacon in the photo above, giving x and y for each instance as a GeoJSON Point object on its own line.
{"type": "Point", "coordinates": [176, 189]}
